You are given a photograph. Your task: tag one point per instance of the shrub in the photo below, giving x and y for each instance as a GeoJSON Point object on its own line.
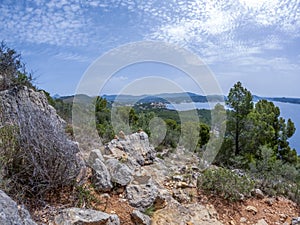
{"type": "Point", "coordinates": [225, 183]}
{"type": "Point", "coordinates": [150, 211]}
{"type": "Point", "coordinates": [8, 146]}
{"type": "Point", "coordinates": [275, 177]}
{"type": "Point", "coordinates": [12, 71]}
{"type": "Point", "coordinates": [85, 196]}
{"type": "Point", "coordinates": [36, 156]}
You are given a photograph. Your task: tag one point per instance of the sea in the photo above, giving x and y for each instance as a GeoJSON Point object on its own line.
{"type": "Point", "coordinates": [287, 110]}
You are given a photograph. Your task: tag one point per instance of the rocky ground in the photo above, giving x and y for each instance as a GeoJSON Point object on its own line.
{"type": "Point", "coordinates": [159, 190]}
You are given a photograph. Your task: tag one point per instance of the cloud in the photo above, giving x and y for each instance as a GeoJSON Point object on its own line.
{"type": "Point", "coordinates": [225, 30]}
{"type": "Point", "coordinates": [68, 56]}
{"type": "Point", "coordinates": [55, 22]}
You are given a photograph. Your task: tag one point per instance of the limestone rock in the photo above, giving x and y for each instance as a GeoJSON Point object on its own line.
{"type": "Point", "coordinates": [119, 172]}
{"type": "Point", "coordinates": [139, 218]}
{"type": "Point", "coordinates": [141, 196]}
{"type": "Point", "coordinates": [251, 209]}
{"type": "Point", "coordinates": [95, 154]}
{"type": "Point", "coordinates": [258, 193]}
{"type": "Point", "coordinates": [296, 221]}
{"type": "Point", "coordinates": [177, 214]}
{"type": "Point", "coordinates": [10, 213]}
{"type": "Point", "coordinates": [135, 145]}
{"type": "Point", "coordinates": [85, 216]}
{"type": "Point", "coordinates": [101, 177]}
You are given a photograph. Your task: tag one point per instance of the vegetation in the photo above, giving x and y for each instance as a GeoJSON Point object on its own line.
{"type": "Point", "coordinates": [12, 70]}
{"type": "Point", "coordinates": [249, 127]}
{"type": "Point", "coordinates": [150, 211]}
{"type": "Point", "coordinates": [226, 183]}
{"type": "Point", "coordinates": [256, 141]}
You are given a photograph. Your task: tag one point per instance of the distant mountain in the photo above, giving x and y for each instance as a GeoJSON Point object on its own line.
{"type": "Point", "coordinates": [56, 96]}
{"type": "Point", "coordinates": [81, 98]}
{"type": "Point", "coordinates": [286, 100]}
{"type": "Point", "coordinates": [277, 99]}
{"type": "Point", "coordinates": [164, 98]}
{"type": "Point", "coordinates": [171, 98]}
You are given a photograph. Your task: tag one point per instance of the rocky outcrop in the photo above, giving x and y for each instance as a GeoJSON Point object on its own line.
{"type": "Point", "coordinates": [135, 146]}
{"type": "Point", "coordinates": [120, 158]}
{"type": "Point", "coordinates": [11, 213]}
{"type": "Point", "coordinates": [46, 153]}
{"type": "Point", "coordinates": [85, 216]}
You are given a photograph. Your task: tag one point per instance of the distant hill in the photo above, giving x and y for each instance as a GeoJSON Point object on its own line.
{"type": "Point", "coordinates": [164, 98]}
{"type": "Point", "coordinates": [171, 98]}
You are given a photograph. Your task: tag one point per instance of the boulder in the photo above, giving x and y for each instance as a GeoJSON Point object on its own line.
{"type": "Point", "coordinates": [138, 218]}
{"type": "Point", "coordinates": [84, 217]}
{"type": "Point", "coordinates": [101, 177]}
{"type": "Point", "coordinates": [135, 145]}
{"type": "Point", "coordinates": [119, 172]}
{"type": "Point", "coordinates": [141, 196]}
{"type": "Point", "coordinates": [11, 213]}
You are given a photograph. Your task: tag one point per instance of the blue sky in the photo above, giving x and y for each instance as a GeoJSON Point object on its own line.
{"type": "Point", "coordinates": [253, 41]}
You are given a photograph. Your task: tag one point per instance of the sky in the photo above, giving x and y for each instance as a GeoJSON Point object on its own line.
{"type": "Point", "coordinates": [256, 42]}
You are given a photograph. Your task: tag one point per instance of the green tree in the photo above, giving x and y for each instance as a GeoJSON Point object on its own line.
{"type": "Point", "coordinates": [103, 119]}
{"type": "Point", "coordinates": [267, 128]}
{"type": "Point", "coordinates": [240, 101]}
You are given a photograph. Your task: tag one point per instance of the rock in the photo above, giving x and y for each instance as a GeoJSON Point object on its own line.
{"type": "Point", "coordinates": [251, 209]}
{"type": "Point", "coordinates": [178, 178]}
{"type": "Point", "coordinates": [101, 177]}
{"type": "Point", "coordinates": [258, 193]}
{"type": "Point", "coordinates": [270, 201]}
{"type": "Point", "coordinates": [183, 185]}
{"type": "Point", "coordinates": [141, 196]}
{"type": "Point", "coordinates": [181, 196]}
{"type": "Point", "coordinates": [179, 214]}
{"type": "Point", "coordinates": [119, 172]}
{"type": "Point", "coordinates": [135, 145]}
{"type": "Point", "coordinates": [160, 202]}
{"type": "Point", "coordinates": [243, 220]}
{"type": "Point", "coordinates": [295, 220]}
{"type": "Point", "coordinates": [139, 218]}
{"type": "Point", "coordinates": [212, 212]}
{"type": "Point", "coordinates": [95, 154]}
{"type": "Point", "coordinates": [10, 213]}
{"type": "Point", "coordinates": [261, 222]}
{"type": "Point", "coordinates": [85, 216]}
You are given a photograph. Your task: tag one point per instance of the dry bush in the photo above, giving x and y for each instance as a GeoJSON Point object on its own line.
{"type": "Point", "coordinates": [36, 155]}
